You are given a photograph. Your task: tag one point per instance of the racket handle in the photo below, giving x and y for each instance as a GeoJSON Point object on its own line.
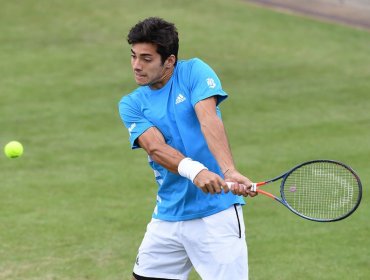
{"type": "Point", "coordinates": [253, 188]}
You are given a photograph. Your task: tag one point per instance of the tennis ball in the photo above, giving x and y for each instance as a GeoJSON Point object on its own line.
{"type": "Point", "coordinates": [13, 149]}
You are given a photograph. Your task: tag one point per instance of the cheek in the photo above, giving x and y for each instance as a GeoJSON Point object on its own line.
{"type": "Point", "coordinates": [154, 71]}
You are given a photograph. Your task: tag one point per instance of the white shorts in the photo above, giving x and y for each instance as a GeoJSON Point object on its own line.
{"type": "Point", "coordinates": [214, 245]}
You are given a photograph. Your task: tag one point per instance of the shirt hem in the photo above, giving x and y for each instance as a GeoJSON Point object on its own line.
{"type": "Point", "coordinates": [194, 216]}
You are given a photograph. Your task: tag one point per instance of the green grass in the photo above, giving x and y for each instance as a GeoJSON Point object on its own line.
{"type": "Point", "coordinates": [76, 205]}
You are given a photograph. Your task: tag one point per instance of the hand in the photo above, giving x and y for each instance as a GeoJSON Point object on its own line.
{"type": "Point", "coordinates": [209, 182]}
{"type": "Point", "coordinates": [241, 184]}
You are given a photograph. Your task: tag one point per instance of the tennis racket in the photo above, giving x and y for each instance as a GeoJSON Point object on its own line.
{"type": "Point", "coordinates": [318, 190]}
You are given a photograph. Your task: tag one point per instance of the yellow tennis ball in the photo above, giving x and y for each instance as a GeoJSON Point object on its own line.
{"type": "Point", "coordinates": [13, 149]}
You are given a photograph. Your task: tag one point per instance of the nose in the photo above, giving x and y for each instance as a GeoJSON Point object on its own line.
{"type": "Point", "coordinates": [136, 65]}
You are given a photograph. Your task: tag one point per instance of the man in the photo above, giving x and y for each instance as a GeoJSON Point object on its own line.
{"type": "Point", "coordinates": [174, 117]}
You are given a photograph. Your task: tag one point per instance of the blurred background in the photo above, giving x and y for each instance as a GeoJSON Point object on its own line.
{"type": "Point", "coordinates": [355, 13]}
{"type": "Point", "coordinates": [76, 204]}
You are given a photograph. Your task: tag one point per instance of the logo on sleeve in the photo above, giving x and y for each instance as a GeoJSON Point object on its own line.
{"type": "Point", "coordinates": [211, 83]}
{"type": "Point", "coordinates": [131, 128]}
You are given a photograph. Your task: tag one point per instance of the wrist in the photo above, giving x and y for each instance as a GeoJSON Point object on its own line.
{"type": "Point", "coordinates": [228, 170]}
{"type": "Point", "coordinates": [189, 168]}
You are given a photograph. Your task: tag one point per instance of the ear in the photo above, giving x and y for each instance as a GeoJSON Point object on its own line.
{"type": "Point", "coordinates": [170, 61]}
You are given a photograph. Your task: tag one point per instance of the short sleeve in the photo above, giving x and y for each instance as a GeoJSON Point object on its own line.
{"type": "Point", "coordinates": [204, 83]}
{"type": "Point", "coordinates": [133, 120]}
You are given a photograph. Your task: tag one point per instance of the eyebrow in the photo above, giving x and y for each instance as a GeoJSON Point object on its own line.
{"type": "Point", "coordinates": [143, 54]}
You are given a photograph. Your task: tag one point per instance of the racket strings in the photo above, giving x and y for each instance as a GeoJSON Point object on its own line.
{"type": "Point", "coordinates": [321, 190]}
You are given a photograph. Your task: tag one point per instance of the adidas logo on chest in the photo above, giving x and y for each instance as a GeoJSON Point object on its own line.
{"type": "Point", "coordinates": [180, 98]}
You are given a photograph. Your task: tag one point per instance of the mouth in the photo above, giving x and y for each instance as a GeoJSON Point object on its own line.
{"type": "Point", "coordinates": [138, 75]}
{"type": "Point", "coordinates": [140, 79]}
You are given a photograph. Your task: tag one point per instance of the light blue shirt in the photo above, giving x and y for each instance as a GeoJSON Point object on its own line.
{"type": "Point", "coordinates": [171, 110]}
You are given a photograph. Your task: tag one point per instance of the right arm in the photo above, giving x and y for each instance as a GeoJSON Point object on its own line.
{"type": "Point", "coordinates": [153, 142]}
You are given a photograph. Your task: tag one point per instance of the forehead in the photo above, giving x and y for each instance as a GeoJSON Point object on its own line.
{"type": "Point", "coordinates": [144, 49]}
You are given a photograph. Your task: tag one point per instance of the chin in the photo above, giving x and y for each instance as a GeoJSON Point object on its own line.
{"type": "Point", "coordinates": [141, 82]}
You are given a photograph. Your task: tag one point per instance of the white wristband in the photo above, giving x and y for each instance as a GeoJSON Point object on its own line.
{"type": "Point", "coordinates": [189, 168]}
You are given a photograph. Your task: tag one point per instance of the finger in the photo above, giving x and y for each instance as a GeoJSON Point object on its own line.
{"type": "Point", "coordinates": [211, 189]}
{"type": "Point", "coordinates": [244, 190]}
{"type": "Point", "coordinates": [218, 187]}
{"type": "Point", "coordinates": [225, 187]}
{"type": "Point", "coordinates": [240, 189]}
{"type": "Point", "coordinates": [204, 189]}
{"type": "Point", "coordinates": [236, 188]}
{"type": "Point", "coordinates": [253, 194]}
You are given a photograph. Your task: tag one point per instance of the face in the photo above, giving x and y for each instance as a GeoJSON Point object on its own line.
{"type": "Point", "coordinates": [147, 66]}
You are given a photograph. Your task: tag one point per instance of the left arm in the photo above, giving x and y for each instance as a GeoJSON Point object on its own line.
{"type": "Point", "coordinates": [215, 135]}
{"type": "Point", "coordinates": [214, 131]}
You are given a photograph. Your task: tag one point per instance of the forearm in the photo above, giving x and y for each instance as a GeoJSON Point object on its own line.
{"type": "Point", "coordinates": [166, 156]}
{"type": "Point", "coordinates": [215, 135]}
{"type": "Point", "coordinates": [152, 141]}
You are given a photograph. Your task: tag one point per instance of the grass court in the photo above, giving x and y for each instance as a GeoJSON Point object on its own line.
{"type": "Point", "coordinates": [76, 205]}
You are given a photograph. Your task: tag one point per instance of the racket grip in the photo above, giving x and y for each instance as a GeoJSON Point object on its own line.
{"type": "Point", "coordinates": [253, 188]}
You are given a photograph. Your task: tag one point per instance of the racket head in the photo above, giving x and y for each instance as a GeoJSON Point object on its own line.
{"type": "Point", "coordinates": [321, 190]}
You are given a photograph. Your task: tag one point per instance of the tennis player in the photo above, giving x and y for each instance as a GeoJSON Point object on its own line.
{"type": "Point", "coordinates": [174, 116]}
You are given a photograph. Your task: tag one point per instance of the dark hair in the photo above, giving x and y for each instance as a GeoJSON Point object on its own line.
{"type": "Point", "coordinates": [159, 32]}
